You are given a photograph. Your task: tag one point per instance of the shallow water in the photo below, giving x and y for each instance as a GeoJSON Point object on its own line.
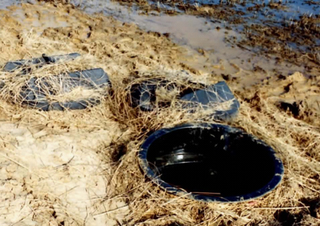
{"type": "Point", "coordinates": [196, 33]}
{"type": "Point", "coordinates": [5, 3]}
{"type": "Point", "coordinates": [288, 9]}
{"type": "Point", "coordinates": [50, 21]}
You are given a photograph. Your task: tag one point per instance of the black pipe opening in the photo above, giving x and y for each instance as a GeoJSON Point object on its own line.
{"type": "Point", "coordinates": [217, 161]}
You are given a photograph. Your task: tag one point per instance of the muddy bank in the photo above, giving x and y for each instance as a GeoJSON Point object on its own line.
{"type": "Point", "coordinates": [81, 168]}
{"type": "Point", "coordinates": [231, 49]}
{"type": "Point", "coordinates": [283, 31]}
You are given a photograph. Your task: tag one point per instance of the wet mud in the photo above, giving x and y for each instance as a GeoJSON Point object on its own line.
{"type": "Point", "coordinates": [281, 30]}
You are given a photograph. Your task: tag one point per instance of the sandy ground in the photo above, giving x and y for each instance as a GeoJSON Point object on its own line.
{"type": "Point", "coordinates": [57, 167]}
{"type": "Point", "coordinates": [60, 172]}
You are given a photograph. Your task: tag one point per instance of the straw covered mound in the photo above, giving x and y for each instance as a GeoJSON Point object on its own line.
{"type": "Point", "coordinates": [81, 167]}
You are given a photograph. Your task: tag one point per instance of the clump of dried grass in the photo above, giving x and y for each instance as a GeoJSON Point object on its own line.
{"type": "Point", "coordinates": [54, 76]}
{"type": "Point", "coordinates": [53, 79]}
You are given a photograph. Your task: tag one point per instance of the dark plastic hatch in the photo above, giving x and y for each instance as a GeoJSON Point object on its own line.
{"type": "Point", "coordinates": [212, 162]}
{"type": "Point", "coordinates": [143, 95]}
{"type": "Point", "coordinates": [39, 62]}
{"type": "Point", "coordinates": [212, 96]}
{"type": "Point", "coordinates": [34, 94]}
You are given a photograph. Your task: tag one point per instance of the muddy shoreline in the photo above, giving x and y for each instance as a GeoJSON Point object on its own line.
{"type": "Point", "coordinates": [281, 30]}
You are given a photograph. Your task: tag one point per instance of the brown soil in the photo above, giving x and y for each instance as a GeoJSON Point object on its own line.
{"type": "Point", "coordinates": [273, 40]}
{"type": "Point", "coordinates": [81, 167]}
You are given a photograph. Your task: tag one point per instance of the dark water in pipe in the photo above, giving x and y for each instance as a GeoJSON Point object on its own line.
{"type": "Point", "coordinates": [211, 162]}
